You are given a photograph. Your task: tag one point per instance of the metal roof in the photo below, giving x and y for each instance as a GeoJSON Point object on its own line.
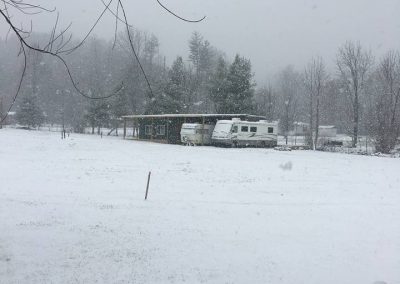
{"type": "Point", "coordinates": [183, 115]}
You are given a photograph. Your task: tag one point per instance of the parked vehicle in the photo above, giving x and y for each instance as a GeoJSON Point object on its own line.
{"type": "Point", "coordinates": [196, 133]}
{"type": "Point", "coordinates": [238, 133]}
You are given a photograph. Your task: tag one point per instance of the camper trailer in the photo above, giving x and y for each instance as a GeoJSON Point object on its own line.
{"type": "Point", "coordinates": [239, 133]}
{"type": "Point", "coordinates": [196, 133]}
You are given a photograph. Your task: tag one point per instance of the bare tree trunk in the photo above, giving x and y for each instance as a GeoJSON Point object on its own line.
{"type": "Point", "coordinates": [316, 122]}
{"type": "Point", "coordinates": [287, 124]}
{"type": "Point", "coordinates": [355, 121]}
{"type": "Point", "coordinates": [311, 141]}
{"type": "Point", "coordinates": [315, 78]}
{"type": "Point", "coordinates": [387, 97]}
{"type": "Point", "coordinates": [354, 64]}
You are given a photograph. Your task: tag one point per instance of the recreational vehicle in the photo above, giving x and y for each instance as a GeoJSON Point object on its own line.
{"type": "Point", "coordinates": [239, 133]}
{"type": "Point", "coordinates": [196, 133]}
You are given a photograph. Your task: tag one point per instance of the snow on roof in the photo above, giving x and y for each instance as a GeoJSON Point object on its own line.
{"type": "Point", "coordinates": [301, 123]}
{"type": "Point", "coordinates": [263, 122]}
{"type": "Point", "coordinates": [190, 125]}
{"type": "Point", "coordinates": [178, 115]}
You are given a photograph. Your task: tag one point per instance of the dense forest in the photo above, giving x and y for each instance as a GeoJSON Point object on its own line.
{"type": "Point", "coordinates": [360, 98]}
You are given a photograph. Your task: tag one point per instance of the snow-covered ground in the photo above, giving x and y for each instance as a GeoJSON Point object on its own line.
{"type": "Point", "coordinates": [72, 211]}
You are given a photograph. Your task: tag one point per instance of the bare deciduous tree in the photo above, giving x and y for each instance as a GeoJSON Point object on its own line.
{"type": "Point", "coordinates": [266, 102]}
{"type": "Point", "coordinates": [289, 86]}
{"type": "Point", "coordinates": [315, 78]}
{"type": "Point", "coordinates": [353, 64]}
{"type": "Point", "coordinates": [386, 102]}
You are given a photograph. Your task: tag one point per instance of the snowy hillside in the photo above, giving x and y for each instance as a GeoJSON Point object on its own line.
{"type": "Point", "coordinates": [72, 211]}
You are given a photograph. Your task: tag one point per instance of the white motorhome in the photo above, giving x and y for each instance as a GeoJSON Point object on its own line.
{"type": "Point", "coordinates": [239, 133]}
{"type": "Point", "coordinates": [196, 133]}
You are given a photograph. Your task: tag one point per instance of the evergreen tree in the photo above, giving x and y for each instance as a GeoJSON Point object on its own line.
{"type": "Point", "coordinates": [98, 114]}
{"type": "Point", "coordinates": [240, 87]}
{"type": "Point", "coordinates": [195, 50]}
{"type": "Point", "coordinates": [219, 86]}
{"type": "Point", "coordinates": [176, 92]}
{"type": "Point", "coordinates": [29, 112]}
{"type": "Point", "coordinates": [201, 54]}
{"type": "Point", "coordinates": [232, 88]}
{"type": "Point", "coordinates": [206, 58]}
{"type": "Point", "coordinates": [119, 108]}
{"type": "Point", "coordinates": [204, 61]}
{"type": "Point", "coordinates": [175, 95]}
{"type": "Point", "coordinates": [151, 49]}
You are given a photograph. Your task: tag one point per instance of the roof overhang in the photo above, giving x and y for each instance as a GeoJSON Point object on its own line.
{"type": "Point", "coordinates": [190, 115]}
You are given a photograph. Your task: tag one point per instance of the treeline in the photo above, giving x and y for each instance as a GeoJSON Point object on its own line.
{"type": "Point", "coordinates": [101, 68]}
{"type": "Point", "coordinates": [361, 97]}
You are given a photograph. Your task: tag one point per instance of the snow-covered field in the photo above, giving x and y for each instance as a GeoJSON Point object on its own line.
{"type": "Point", "coordinates": [72, 211]}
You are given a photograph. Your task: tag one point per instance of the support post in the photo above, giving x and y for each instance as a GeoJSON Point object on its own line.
{"type": "Point", "coordinates": [133, 128]}
{"type": "Point", "coordinates": [168, 131]}
{"type": "Point", "coordinates": [124, 127]}
{"type": "Point", "coordinates": [137, 129]}
{"type": "Point", "coordinates": [202, 131]}
{"type": "Point", "coordinates": [152, 128]}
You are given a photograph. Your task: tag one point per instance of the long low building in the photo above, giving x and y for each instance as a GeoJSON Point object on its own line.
{"type": "Point", "coordinates": [166, 128]}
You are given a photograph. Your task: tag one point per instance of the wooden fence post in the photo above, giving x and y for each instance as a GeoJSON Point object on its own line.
{"type": "Point", "coordinates": [124, 128]}
{"type": "Point", "coordinates": [147, 187]}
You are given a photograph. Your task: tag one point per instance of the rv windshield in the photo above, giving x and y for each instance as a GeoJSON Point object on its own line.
{"type": "Point", "coordinates": [223, 127]}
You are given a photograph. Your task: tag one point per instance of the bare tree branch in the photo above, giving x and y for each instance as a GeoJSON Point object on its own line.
{"type": "Point", "coordinates": [179, 17]}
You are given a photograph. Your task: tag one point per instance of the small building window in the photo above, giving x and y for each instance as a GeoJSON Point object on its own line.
{"type": "Point", "coordinates": [148, 130]}
{"type": "Point", "coordinates": [235, 129]}
{"type": "Point", "coordinates": [244, 129]}
{"type": "Point", "coordinates": [253, 129]}
{"type": "Point", "coordinates": [161, 130]}
{"type": "Point", "coordinates": [270, 130]}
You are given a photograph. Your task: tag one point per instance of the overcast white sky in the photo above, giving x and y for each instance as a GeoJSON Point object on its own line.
{"type": "Point", "coordinates": [272, 33]}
